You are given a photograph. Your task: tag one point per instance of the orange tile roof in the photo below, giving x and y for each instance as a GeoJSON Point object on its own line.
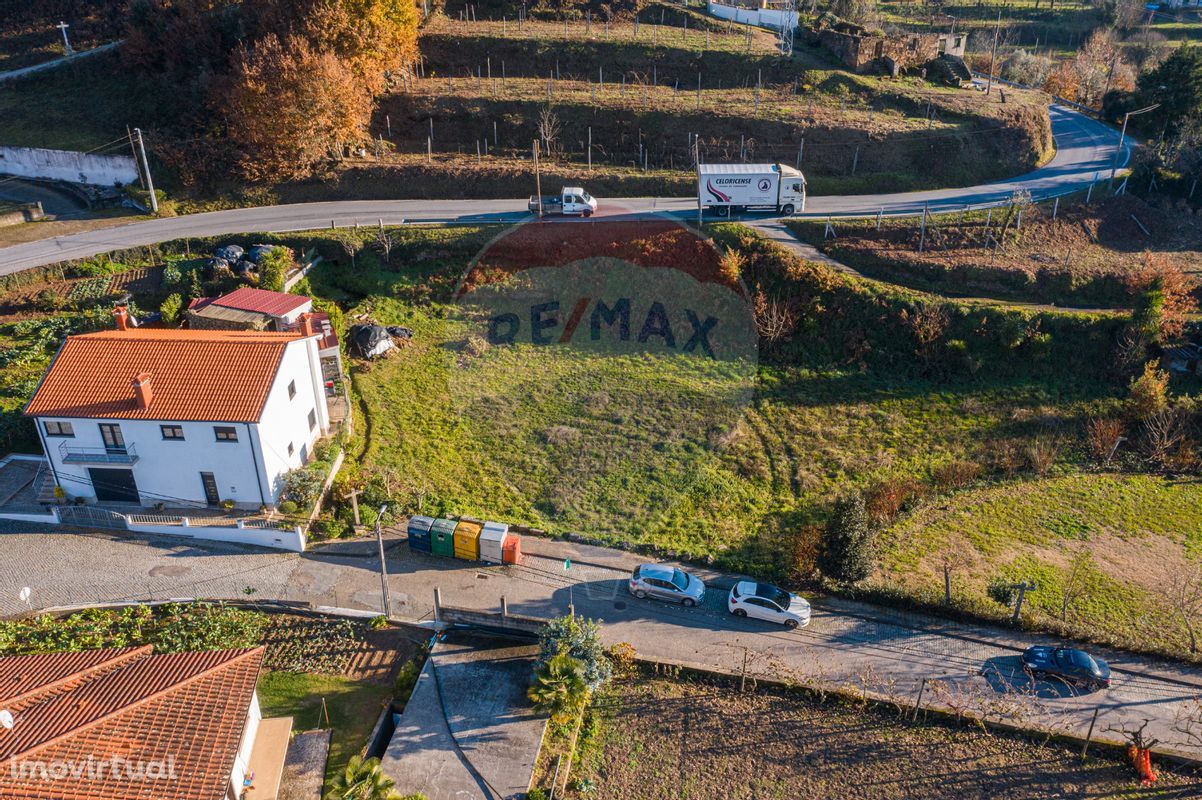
{"type": "Point", "coordinates": [219, 376]}
{"type": "Point", "coordinates": [273, 304]}
{"type": "Point", "coordinates": [23, 678]}
{"type": "Point", "coordinates": [183, 711]}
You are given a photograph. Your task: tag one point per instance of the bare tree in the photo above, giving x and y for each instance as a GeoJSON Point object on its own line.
{"type": "Point", "coordinates": [1188, 721]}
{"type": "Point", "coordinates": [1181, 590]}
{"type": "Point", "coordinates": [1076, 583]}
{"type": "Point", "coordinates": [954, 560]}
{"type": "Point", "coordinates": [385, 241]}
{"type": "Point", "coordinates": [928, 323]}
{"type": "Point", "coordinates": [549, 128]}
{"type": "Point", "coordinates": [774, 318]}
{"type": "Point", "coordinates": [1164, 435]}
{"type": "Point", "coordinates": [350, 241]}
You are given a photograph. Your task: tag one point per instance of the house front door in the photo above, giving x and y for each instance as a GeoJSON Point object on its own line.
{"type": "Point", "coordinates": [114, 485]}
{"type": "Point", "coordinates": [212, 497]}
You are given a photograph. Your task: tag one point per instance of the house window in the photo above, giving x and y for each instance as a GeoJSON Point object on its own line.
{"type": "Point", "coordinates": [291, 449]}
{"type": "Point", "coordinates": [312, 419]}
{"type": "Point", "coordinates": [172, 432]}
{"type": "Point", "coordinates": [225, 434]}
{"type": "Point", "coordinates": [63, 429]}
{"type": "Point", "coordinates": [291, 389]}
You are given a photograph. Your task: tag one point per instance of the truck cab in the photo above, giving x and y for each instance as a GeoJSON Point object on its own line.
{"type": "Point", "coordinates": [571, 201]}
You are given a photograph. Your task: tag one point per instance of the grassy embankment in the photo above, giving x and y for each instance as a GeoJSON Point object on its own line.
{"type": "Point", "coordinates": [28, 32]}
{"type": "Point", "coordinates": [1083, 258]}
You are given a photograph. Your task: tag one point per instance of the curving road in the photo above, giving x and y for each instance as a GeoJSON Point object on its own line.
{"type": "Point", "coordinates": [1085, 152]}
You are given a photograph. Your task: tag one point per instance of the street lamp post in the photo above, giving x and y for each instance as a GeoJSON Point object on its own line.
{"type": "Point", "coordinates": [1114, 168]}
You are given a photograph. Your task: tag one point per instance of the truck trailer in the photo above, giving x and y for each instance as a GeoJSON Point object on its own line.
{"type": "Point", "coordinates": [724, 188]}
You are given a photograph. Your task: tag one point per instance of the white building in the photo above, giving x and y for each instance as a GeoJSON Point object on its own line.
{"type": "Point", "coordinates": [180, 417]}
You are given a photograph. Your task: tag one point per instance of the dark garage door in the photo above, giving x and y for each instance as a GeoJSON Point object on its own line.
{"type": "Point", "coordinates": [114, 485]}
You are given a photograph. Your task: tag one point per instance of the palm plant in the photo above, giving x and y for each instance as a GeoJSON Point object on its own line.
{"type": "Point", "coordinates": [559, 686]}
{"type": "Point", "coordinates": [362, 779]}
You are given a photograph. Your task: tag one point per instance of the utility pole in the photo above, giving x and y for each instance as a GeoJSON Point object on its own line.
{"type": "Point", "coordinates": [538, 184]}
{"type": "Point", "coordinates": [1123, 136]}
{"type": "Point", "coordinates": [133, 149]}
{"type": "Point", "coordinates": [383, 565]}
{"type": "Point", "coordinates": [997, 32]}
{"type": "Point", "coordinates": [62, 26]}
{"type": "Point", "coordinates": [1022, 588]}
{"type": "Point", "coordinates": [154, 201]}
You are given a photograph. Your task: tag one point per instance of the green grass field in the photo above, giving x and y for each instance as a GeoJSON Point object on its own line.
{"type": "Point", "coordinates": [636, 451]}
{"type": "Point", "coordinates": [1100, 547]}
{"type": "Point", "coordinates": [353, 708]}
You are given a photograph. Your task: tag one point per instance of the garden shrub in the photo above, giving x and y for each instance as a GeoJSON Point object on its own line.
{"type": "Point", "coordinates": [1101, 436]}
{"type": "Point", "coordinates": [303, 484]}
{"type": "Point", "coordinates": [274, 268]}
{"type": "Point", "coordinates": [171, 308]}
{"type": "Point", "coordinates": [1148, 393]}
{"type": "Point", "coordinates": [1041, 455]}
{"type": "Point", "coordinates": [288, 507]}
{"type": "Point", "coordinates": [406, 679]}
{"type": "Point", "coordinates": [94, 268]}
{"type": "Point", "coordinates": [956, 474]}
{"type": "Point", "coordinates": [171, 628]}
{"type": "Point", "coordinates": [578, 638]}
{"type": "Point", "coordinates": [888, 497]}
{"type": "Point", "coordinates": [1002, 592]}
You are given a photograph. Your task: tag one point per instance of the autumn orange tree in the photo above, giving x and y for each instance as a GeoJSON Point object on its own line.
{"type": "Point", "coordinates": [1096, 69]}
{"type": "Point", "coordinates": [282, 85]}
{"type": "Point", "coordinates": [288, 106]}
{"type": "Point", "coordinates": [1163, 298]}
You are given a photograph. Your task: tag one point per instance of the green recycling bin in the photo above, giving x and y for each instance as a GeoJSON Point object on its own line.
{"type": "Point", "coordinates": [442, 537]}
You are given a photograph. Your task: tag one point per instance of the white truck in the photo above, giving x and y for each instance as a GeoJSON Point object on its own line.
{"type": "Point", "coordinates": [724, 188]}
{"type": "Point", "coordinates": [571, 201]}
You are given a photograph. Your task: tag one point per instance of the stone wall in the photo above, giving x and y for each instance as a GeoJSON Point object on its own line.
{"type": "Point", "coordinates": [864, 52]}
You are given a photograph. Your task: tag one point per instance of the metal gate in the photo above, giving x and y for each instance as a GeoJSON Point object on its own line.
{"type": "Point", "coordinates": [92, 517]}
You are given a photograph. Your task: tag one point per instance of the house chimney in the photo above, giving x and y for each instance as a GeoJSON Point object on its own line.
{"type": "Point", "coordinates": [122, 315]}
{"type": "Point", "coordinates": [142, 391]}
{"type": "Point", "coordinates": [307, 325]}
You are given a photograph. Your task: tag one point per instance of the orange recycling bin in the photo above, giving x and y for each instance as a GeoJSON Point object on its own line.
{"type": "Point", "coordinates": [467, 539]}
{"type": "Point", "coordinates": [511, 551]}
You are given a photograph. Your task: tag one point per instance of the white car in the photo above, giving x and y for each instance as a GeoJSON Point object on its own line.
{"type": "Point", "coordinates": [767, 602]}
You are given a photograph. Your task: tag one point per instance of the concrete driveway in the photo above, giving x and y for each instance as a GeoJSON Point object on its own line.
{"type": "Point", "coordinates": [1085, 150]}
{"type": "Point", "coordinates": [890, 654]}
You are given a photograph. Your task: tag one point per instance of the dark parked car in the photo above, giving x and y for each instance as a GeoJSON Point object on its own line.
{"type": "Point", "coordinates": [1076, 667]}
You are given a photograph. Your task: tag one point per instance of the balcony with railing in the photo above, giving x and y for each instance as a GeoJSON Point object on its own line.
{"type": "Point", "coordinates": [73, 454]}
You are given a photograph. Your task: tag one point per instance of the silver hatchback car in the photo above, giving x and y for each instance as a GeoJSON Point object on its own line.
{"type": "Point", "coordinates": [664, 582]}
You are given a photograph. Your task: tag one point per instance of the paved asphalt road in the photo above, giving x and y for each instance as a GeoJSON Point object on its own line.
{"type": "Point", "coordinates": [890, 654]}
{"type": "Point", "coordinates": [1085, 151]}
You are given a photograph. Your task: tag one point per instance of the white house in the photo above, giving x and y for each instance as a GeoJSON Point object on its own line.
{"type": "Point", "coordinates": [180, 417]}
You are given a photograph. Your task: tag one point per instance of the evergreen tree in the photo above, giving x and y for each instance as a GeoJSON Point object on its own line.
{"type": "Point", "coordinates": [848, 545]}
